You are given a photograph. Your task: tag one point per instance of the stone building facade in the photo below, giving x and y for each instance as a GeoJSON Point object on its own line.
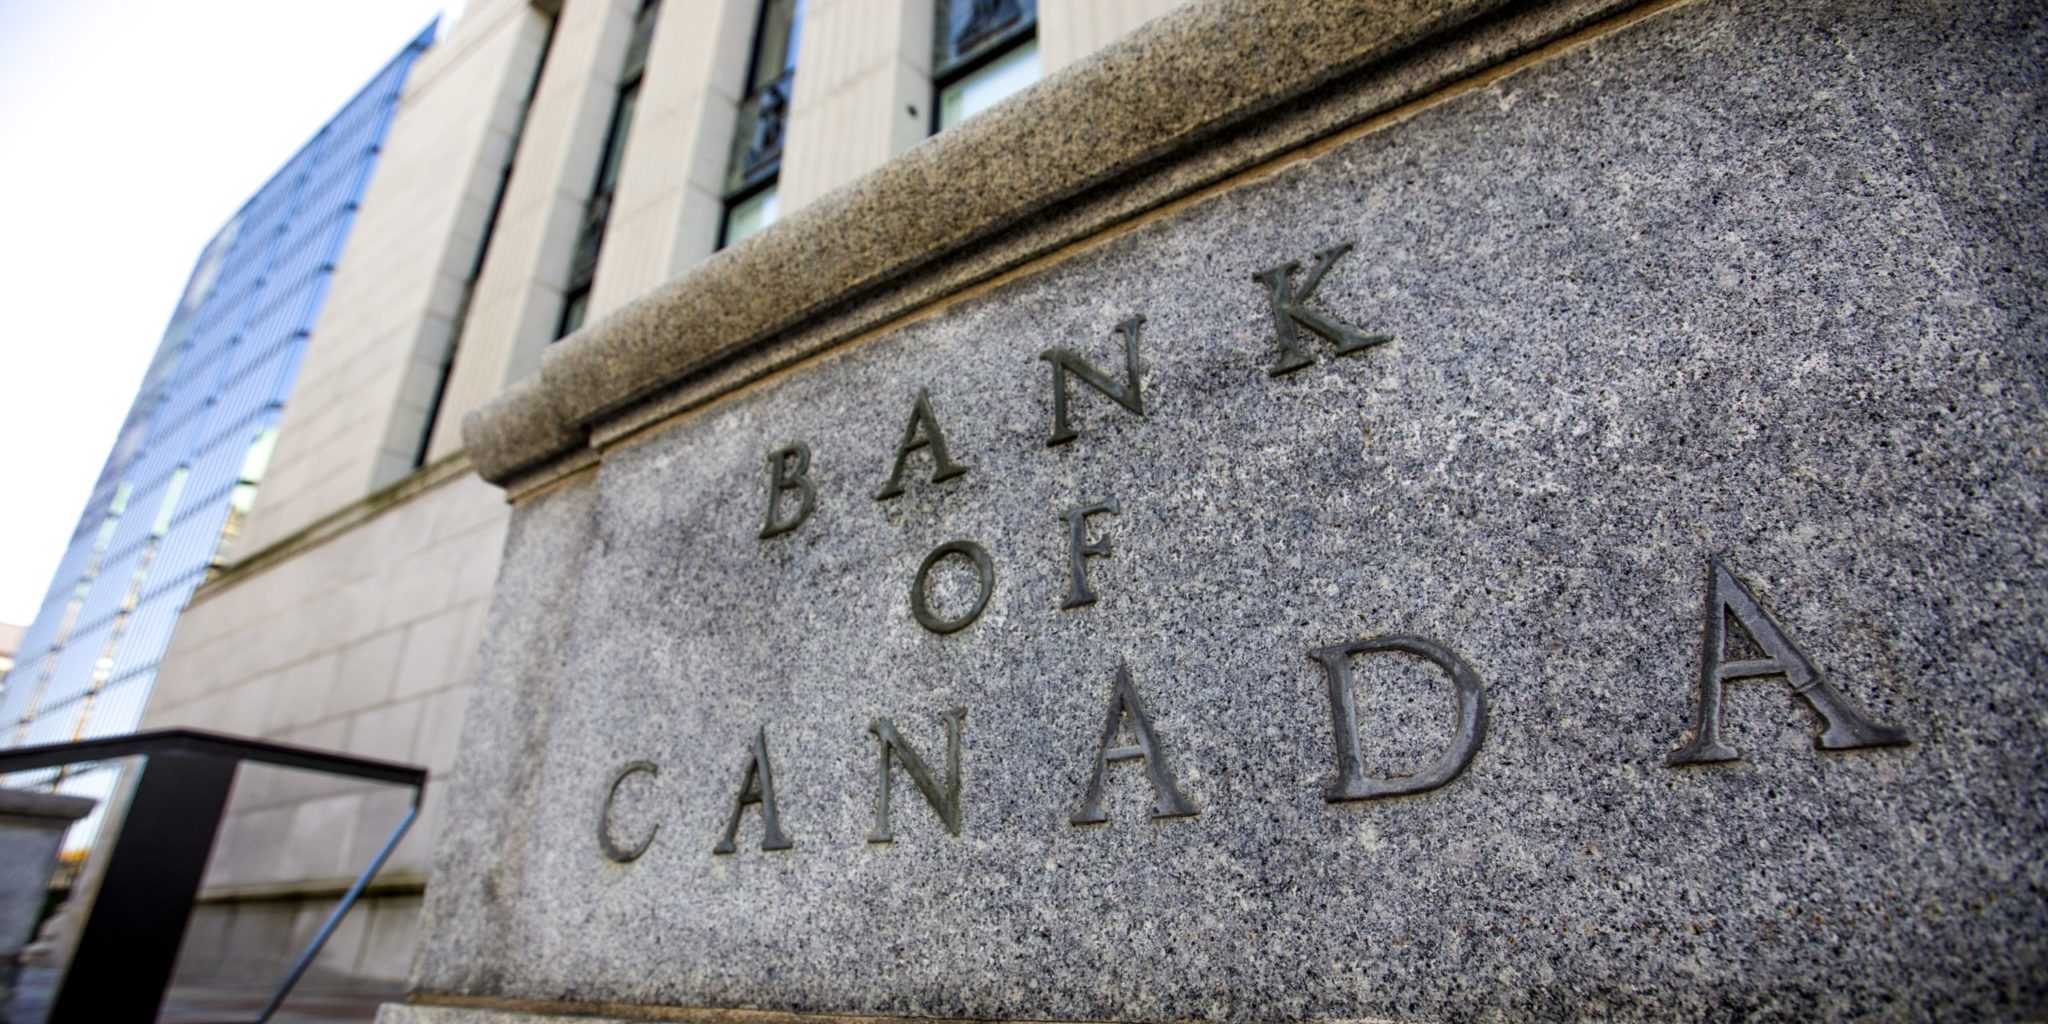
{"type": "Point", "coordinates": [549, 162]}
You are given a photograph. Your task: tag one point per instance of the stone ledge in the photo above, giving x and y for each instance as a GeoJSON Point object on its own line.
{"type": "Point", "coordinates": [390, 883]}
{"type": "Point", "coordinates": [1192, 74]}
{"type": "Point", "coordinates": [427, 1008]}
{"type": "Point", "coordinates": [22, 803]}
{"type": "Point", "coordinates": [335, 523]}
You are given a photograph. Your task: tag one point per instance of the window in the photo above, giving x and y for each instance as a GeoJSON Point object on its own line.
{"type": "Point", "coordinates": [242, 496]}
{"type": "Point", "coordinates": [445, 361]}
{"type": "Point", "coordinates": [751, 197]}
{"type": "Point", "coordinates": [983, 51]}
{"type": "Point", "coordinates": [598, 210]}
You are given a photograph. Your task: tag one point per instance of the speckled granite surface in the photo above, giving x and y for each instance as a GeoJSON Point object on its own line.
{"type": "Point", "coordinates": [1733, 279]}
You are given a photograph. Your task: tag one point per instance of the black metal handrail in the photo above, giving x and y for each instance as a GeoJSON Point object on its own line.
{"type": "Point", "coordinates": [128, 947]}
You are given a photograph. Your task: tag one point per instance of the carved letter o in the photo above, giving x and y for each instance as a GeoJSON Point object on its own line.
{"type": "Point", "coordinates": [985, 584]}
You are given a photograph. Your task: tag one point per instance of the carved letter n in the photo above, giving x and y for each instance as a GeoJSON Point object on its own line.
{"type": "Point", "coordinates": [1130, 394]}
{"type": "Point", "coordinates": [944, 801]}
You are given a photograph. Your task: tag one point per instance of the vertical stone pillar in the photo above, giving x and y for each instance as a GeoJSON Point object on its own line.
{"type": "Point", "coordinates": [671, 193]}
{"type": "Point", "coordinates": [369, 387]}
{"type": "Point", "coordinates": [863, 92]}
{"type": "Point", "coordinates": [518, 297]}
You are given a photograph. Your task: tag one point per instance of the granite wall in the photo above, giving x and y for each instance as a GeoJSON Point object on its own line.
{"type": "Point", "coordinates": [1576, 551]}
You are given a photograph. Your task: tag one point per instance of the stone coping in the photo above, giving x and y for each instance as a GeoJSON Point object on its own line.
{"type": "Point", "coordinates": [1193, 74]}
{"type": "Point", "coordinates": [22, 803]}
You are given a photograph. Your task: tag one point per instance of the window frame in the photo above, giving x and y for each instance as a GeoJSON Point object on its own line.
{"type": "Point", "coordinates": [604, 185]}
{"type": "Point", "coordinates": [743, 184]}
{"type": "Point", "coordinates": [999, 44]}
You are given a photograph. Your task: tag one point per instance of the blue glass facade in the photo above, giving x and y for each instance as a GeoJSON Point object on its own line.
{"type": "Point", "coordinates": [186, 464]}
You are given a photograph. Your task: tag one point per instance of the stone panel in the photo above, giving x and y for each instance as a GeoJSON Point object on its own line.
{"type": "Point", "coordinates": [1682, 334]}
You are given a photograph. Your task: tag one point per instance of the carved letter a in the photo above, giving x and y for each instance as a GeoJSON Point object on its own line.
{"type": "Point", "coordinates": [1847, 727]}
{"type": "Point", "coordinates": [921, 432]}
{"type": "Point", "coordinates": [1126, 712]}
{"type": "Point", "coordinates": [757, 786]}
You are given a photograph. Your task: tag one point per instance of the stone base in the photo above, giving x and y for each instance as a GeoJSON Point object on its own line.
{"type": "Point", "coordinates": [519, 1012]}
{"type": "Point", "coordinates": [1616, 593]}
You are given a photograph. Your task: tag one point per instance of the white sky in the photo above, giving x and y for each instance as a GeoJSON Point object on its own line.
{"type": "Point", "coordinates": [130, 131]}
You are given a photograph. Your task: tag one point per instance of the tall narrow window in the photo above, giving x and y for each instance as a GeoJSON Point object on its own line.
{"type": "Point", "coordinates": [446, 360]}
{"type": "Point", "coordinates": [751, 196]}
{"type": "Point", "coordinates": [597, 212]}
{"type": "Point", "coordinates": [983, 50]}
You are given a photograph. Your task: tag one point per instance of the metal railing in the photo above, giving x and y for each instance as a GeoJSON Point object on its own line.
{"type": "Point", "coordinates": [121, 967]}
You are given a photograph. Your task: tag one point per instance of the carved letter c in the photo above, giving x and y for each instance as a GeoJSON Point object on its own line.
{"type": "Point", "coordinates": [612, 850]}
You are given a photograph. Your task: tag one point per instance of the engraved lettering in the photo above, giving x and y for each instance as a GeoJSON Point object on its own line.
{"type": "Point", "coordinates": [921, 432]}
{"type": "Point", "coordinates": [984, 585]}
{"type": "Point", "coordinates": [1064, 361]}
{"type": "Point", "coordinates": [612, 850]}
{"type": "Point", "coordinates": [757, 786]}
{"type": "Point", "coordinates": [1352, 783]}
{"type": "Point", "coordinates": [946, 802]}
{"type": "Point", "coordinates": [1728, 597]}
{"type": "Point", "coordinates": [1079, 548]}
{"type": "Point", "coordinates": [1290, 311]}
{"type": "Point", "coordinates": [1126, 713]}
{"type": "Point", "coordinates": [789, 470]}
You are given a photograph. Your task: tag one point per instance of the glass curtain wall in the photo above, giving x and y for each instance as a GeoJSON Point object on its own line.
{"type": "Point", "coordinates": [170, 499]}
{"type": "Point", "coordinates": [983, 50]}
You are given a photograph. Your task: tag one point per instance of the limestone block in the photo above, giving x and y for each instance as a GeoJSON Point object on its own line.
{"type": "Point", "coordinates": [390, 937]}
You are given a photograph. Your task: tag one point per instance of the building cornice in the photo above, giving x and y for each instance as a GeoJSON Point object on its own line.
{"type": "Point", "coordinates": [1198, 95]}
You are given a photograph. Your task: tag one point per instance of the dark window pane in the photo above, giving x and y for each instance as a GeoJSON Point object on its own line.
{"type": "Point", "coordinates": [615, 143]}
{"type": "Point", "coordinates": [971, 29]}
{"type": "Point", "coordinates": [775, 47]}
{"type": "Point", "coordinates": [636, 48]}
{"type": "Point", "coordinates": [764, 110]}
{"type": "Point", "coordinates": [597, 210]}
{"type": "Point", "coordinates": [751, 214]}
{"type": "Point", "coordinates": [572, 313]}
